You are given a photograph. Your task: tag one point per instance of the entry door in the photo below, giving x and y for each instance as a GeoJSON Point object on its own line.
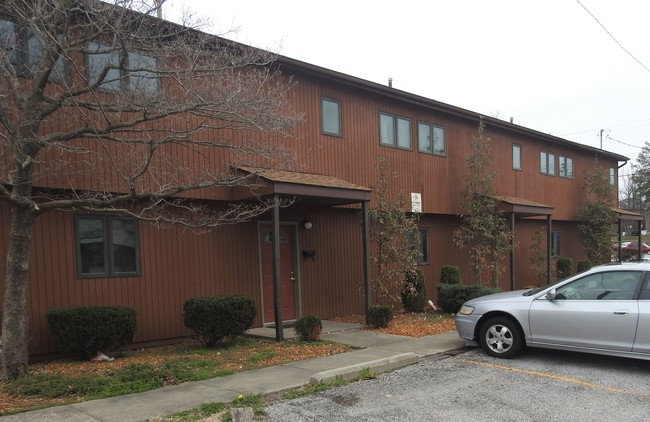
{"type": "Point", "coordinates": [287, 272]}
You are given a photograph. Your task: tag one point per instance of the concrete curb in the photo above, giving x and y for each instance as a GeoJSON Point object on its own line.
{"type": "Point", "coordinates": [376, 366]}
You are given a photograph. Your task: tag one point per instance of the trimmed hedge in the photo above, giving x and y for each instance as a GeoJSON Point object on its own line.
{"type": "Point", "coordinates": [379, 316]}
{"type": "Point", "coordinates": [584, 265]}
{"type": "Point", "coordinates": [219, 319]}
{"type": "Point", "coordinates": [413, 292]}
{"type": "Point", "coordinates": [452, 296]}
{"type": "Point", "coordinates": [564, 268]}
{"type": "Point", "coordinates": [450, 274]}
{"type": "Point", "coordinates": [308, 328]}
{"type": "Point", "coordinates": [83, 331]}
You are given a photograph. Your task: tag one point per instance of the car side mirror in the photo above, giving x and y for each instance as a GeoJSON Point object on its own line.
{"type": "Point", "coordinates": [551, 294]}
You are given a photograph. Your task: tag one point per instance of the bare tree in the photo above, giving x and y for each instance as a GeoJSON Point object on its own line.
{"type": "Point", "coordinates": [483, 229]}
{"type": "Point", "coordinates": [596, 215]}
{"type": "Point", "coordinates": [394, 234]}
{"type": "Point", "coordinates": [106, 108]}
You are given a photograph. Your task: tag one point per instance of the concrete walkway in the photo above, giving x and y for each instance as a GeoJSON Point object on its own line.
{"type": "Point", "coordinates": [381, 352]}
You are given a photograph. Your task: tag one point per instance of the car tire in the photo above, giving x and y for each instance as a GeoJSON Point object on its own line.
{"type": "Point", "coordinates": [501, 337]}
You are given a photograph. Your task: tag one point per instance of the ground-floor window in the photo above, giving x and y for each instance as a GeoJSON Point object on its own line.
{"type": "Point", "coordinates": [423, 246]}
{"type": "Point", "coordinates": [107, 246]}
{"type": "Point", "coordinates": [556, 249]}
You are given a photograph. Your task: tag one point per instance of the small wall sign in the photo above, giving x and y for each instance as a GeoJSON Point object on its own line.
{"type": "Point", "coordinates": [416, 202]}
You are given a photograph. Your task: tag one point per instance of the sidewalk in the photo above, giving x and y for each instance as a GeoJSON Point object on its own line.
{"type": "Point", "coordinates": [381, 352]}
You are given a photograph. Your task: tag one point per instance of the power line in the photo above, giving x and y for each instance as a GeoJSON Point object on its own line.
{"type": "Point", "coordinates": [610, 126]}
{"type": "Point", "coordinates": [612, 37]}
{"type": "Point", "coordinates": [621, 142]}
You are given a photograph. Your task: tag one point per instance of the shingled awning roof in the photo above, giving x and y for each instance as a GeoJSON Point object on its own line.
{"type": "Point", "coordinates": [523, 207]}
{"type": "Point", "coordinates": [318, 188]}
{"type": "Point", "coordinates": [627, 215]}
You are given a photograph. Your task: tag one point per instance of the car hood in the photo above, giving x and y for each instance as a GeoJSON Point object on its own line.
{"type": "Point", "coordinates": [500, 297]}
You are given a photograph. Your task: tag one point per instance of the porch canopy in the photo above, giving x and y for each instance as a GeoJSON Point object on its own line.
{"type": "Point", "coordinates": [625, 215]}
{"type": "Point", "coordinates": [523, 208]}
{"type": "Point", "coordinates": [314, 189]}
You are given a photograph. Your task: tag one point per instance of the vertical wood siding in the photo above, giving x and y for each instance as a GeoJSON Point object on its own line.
{"type": "Point", "coordinates": [177, 264]}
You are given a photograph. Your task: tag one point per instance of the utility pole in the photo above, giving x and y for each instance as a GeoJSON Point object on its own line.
{"type": "Point", "coordinates": [601, 138]}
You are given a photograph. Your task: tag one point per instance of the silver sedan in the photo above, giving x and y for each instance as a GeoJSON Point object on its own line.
{"type": "Point", "coordinates": [604, 310]}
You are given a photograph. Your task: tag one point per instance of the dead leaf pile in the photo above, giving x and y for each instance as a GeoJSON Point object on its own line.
{"type": "Point", "coordinates": [252, 355]}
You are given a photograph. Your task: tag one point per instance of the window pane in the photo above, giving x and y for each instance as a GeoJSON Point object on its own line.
{"type": "Point", "coordinates": [562, 167]}
{"type": "Point", "coordinates": [551, 164]}
{"type": "Point", "coordinates": [423, 249]}
{"type": "Point", "coordinates": [142, 76]}
{"type": "Point", "coordinates": [35, 54]}
{"type": "Point", "coordinates": [99, 58]}
{"type": "Point", "coordinates": [92, 254]}
{"type": "Point", "coordinates": [569, 167]}
{"type": "Point", "coordinates": [516, 157]}
{"type": "Point", "coordinates": [555, 244]}
{"type": "Point", "coordinates": [387, 129]}
{"type": "Point", "coordinates": [424, 138]}
{"type": "Point", "coordinates": [439, 141]}
{"type": "Point", "coordinates": [125, 243]}
{"type": "Point", "coordinates": [403, 133]}
{"type": "Point", "coordinates": [612, 176]}
{"type": "Point", "coordinates": [7, 38]}
{"type": "Point", "coordinates": [331, 117]}
{"type": "Point", "coordinates": [542, 163]}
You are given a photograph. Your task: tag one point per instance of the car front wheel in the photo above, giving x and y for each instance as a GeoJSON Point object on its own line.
{"type": "Point", "coordinates": [500, 337]}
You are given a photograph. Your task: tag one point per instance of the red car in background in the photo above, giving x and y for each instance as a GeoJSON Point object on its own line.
{"type": "Point", "coordinates": [631, 251]}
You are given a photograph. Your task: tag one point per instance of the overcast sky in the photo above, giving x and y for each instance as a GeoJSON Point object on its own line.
{"type": "Point", "coordinates": [550, 65]}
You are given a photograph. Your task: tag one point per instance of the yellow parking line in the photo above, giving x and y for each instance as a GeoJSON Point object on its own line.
{"type": "Point", "coordinates": [542, 374]}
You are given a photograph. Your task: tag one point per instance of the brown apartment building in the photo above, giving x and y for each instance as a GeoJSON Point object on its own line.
{"type": "Point", "coordinates": [348, 123]}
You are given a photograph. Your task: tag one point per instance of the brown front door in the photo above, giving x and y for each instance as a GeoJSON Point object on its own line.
{"type": "Point", "coordinates": [287, 275]}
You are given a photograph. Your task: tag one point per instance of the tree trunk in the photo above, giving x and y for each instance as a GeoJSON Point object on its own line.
{"type": "Point", "coordinates": [14, 319]}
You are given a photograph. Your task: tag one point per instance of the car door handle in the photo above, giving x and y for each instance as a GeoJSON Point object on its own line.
{"type": "Point", "coordinates": [621, 312]}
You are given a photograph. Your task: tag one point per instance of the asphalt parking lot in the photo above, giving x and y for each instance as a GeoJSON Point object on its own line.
{"type": "Point", "coordinates": [538, 385]}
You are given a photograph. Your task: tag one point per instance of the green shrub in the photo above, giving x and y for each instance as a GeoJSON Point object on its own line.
{"type": "Point", "coordinates": [308, 328]}
{"type": "Point", "coordinates": [379, 316]}
{"type": "Point", "coordinates": [584, 265]}
{"type": "Point", "coordinates": [219, 319]}
{"type": "Point", "coordinates": [83, 331]}
{"type": "Point", "coordinates": [564, 267]}
{"type": "Point", "coordinates": [452, 296]}
{"type": "Point", "coordinates": [450, 274]}
{"type": "Point", "coordinates": [413, 292]}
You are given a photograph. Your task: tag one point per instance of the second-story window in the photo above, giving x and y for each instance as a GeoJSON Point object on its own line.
{"type": "Point", "coordinates": [108, 67]}
{"type": "Point", "coordinates": [516, 157]}
{"type": "Point", "coordinates": [394, 131]}
{"type": "Point", "coordinates": [612, 176]}
{"type": "Point", "coordinates": [431, 139]}
{"type": "Point", "coordinates": [25, 51]}
{"type": "Point", "coordinates": [331, 117]}
{"type": "Point", "coordinates": [566, 167]}
{"type": "Point", "coordinates": [547, 163]}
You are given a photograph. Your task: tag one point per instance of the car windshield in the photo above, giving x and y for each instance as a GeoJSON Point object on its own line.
{"type": "Point", "coordinates": [539, 289]}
